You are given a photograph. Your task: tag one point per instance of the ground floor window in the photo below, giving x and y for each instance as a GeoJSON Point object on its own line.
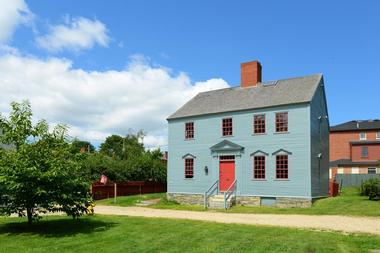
{"type": "Point", "coordinates": [189, 168]}
{"type": "Point", "coordinates": [259, 167]}
{"type": "Point", "coordinates": [371, 170]}
{"type": "Point", "coordinates": [282, 166]}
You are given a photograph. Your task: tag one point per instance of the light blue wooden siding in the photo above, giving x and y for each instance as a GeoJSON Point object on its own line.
{"type": "Point", "coordinates": [208, 133]}
{"type": "Point", "coordinates": [319, 144]}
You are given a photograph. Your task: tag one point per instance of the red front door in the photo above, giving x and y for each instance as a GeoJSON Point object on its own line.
{"type": "Point", "coordinates": [226, 174]}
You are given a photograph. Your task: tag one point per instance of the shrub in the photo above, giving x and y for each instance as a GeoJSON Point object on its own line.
{"type": "Point", "coordinates": [370, 188]}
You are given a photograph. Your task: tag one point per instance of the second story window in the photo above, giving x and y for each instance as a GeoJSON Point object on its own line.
{"type": "Point", "coordinates": [259, 124]}
{"type": "Point", "coordinates": [378, 135]}
{"type": "Point", "coordinates": [189, 130]}
{"type": "Point", "coordinates": [282, 167]}
{"type": "Point", "coordinates": [189, 168]}
{"type": "Point", "coordinates": [364, 152]}
{"type": "Point", "coordinates": [362, 136]}
{"type": "Point", "coordinates": [281, 122]}
{"type": "Point", "coordinates": [227, 127]}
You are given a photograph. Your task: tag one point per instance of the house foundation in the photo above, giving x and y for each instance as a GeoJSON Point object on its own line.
{"type": "Point", "coordinates": [280, 202]}
{"type": "Point", "coordinates": [192, 199]}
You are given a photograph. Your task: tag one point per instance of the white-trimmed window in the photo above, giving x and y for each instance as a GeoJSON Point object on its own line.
{"type": "Point", "coordinates": [371, 171]}
{"type": "Point", "coordinates": [355, 171]}
{"type": "Point", "coordinates": [378, 135]}
{"type": "Point", "coordinates": [340, 171]}
{"type": "Point", "coordinates": [362, 136]}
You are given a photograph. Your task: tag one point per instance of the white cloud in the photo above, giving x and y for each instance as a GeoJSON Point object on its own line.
{"type": "Point", "coordinates": [96, 104]}
{"type": "Point", "coordinates": [75, 34]}
{"type": "Point", "coordinates": [12, 14]}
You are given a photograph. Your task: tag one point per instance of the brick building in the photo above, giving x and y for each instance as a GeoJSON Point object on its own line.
{"type": "Point", "coordinates": [355, 147]}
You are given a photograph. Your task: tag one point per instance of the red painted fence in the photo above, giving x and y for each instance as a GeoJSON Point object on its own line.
{"type": "Point", "coordinates": [103, 191]}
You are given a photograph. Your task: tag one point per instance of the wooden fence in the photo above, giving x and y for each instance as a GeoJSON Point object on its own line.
{"type": "Point", "coordinates": [103, 191]}
{"type": "Point", "coordinates": [353, 179]}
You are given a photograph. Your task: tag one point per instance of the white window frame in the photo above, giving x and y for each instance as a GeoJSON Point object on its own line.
{"type": "Point", "coordinates": [355, 170]}
{"type": "Point", "coordinates": [372, 168]}
{"type": "Point", "coordinates": [360, 136]}
{"type": "Point", "coordinates": [340, 171]}
{"type": "Point", "coordinates": [378, 135]}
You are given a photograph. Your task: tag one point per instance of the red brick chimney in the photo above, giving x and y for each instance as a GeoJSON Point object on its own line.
{"type": "Point", "coordinates": [250, 74]}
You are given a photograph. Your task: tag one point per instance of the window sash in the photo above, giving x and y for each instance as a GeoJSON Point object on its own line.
{"type": "Point", "coordinates": [364, 151]}
{"type": "Point", "coordinates": [189, 130]}
{"type": "Point", "coordinates": [227, 127]}
{"type": "Point", "coordinates": [259, 167]}
{"type": "Point", "coordinates": [281, 122]}
{"type": "Point", "coordinates": [259, 124]}
{"type": "Point", "coordinates": [371, 171]}
{"type": "Point", "coordinates": [189, 168]}
{"type": "Point", "coordinates": [362, 136]}
{"type": "Point", "coordinates": [282, 169]}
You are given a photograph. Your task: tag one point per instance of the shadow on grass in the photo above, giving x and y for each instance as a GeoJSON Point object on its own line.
{"type": "Point", "coordinates": [57, 227]}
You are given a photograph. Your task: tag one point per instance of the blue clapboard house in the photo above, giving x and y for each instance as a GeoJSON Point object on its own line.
{"type": "Point", "coordinates": [261, 143]}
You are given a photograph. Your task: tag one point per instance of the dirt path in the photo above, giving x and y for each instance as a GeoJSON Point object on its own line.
{"type": "Point", "coordinates": [324, 222]}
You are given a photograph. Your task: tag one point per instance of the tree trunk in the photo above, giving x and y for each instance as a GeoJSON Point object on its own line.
{"type": "Point", "coordinates": [29, 213]}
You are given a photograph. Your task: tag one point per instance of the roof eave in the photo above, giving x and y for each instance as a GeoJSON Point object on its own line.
{"type": "Point", "coordinates": [249, 109]}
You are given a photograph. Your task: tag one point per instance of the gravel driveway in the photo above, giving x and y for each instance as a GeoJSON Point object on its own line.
{"type": "Point", "coordinates": [322, 222]}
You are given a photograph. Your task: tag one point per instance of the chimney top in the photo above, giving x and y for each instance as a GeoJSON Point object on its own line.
{"type": "Point", "coordinates": [250, 74]}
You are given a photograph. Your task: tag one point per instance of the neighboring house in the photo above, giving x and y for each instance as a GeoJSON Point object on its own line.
{"type": "Point", "coordinates": [269, 139]}
{"type": "Point", "coordinates": [355, 147]}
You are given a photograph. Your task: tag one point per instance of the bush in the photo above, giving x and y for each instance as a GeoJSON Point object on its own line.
{"type": "Point", "coordinates": [371, 188]}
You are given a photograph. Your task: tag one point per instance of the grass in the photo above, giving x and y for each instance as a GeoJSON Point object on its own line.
{"type": "Point", "coordinates": [349, 203]}
{"type": "Point", "coordinates": [130, 200]}
{"type": "Point", "coordinates": [131, 234]}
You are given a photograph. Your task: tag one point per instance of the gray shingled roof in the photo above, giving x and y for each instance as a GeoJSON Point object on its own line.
{"type": "Point", "coordinates": [281, 92]}
{"type": "Point", "coordinates": [357, 125]}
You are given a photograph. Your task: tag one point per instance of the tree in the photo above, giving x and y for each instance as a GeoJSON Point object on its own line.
{"type": "Point", "coordinates": [78, 146]}
{"type": "Point", "coordinates": [123, 148]}
{"type": "Point", "coordinates": [40, 173]}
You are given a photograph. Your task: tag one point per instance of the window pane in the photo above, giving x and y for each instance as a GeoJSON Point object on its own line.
{"type": "Point", "coordinates": [189, 168]}
{"type": "Point", "coordinates": [189, 130]}
{"type": "Point", "coordinates": [364, 151]}
{"type": "Point", "coordinates": [371, 170]}
{"type": "Point", "coordinates": [227, 127]}
{"type": "Point", "coordinates": [259, 167]}
{"type": "Point", "coordinates": [282, 166]}
{"type": "Point", "coordinates": [259, 124]}
{"type": "Point", "coordinates": [282, 122]}
{"type": "Point", "coordinates": [362, 136]}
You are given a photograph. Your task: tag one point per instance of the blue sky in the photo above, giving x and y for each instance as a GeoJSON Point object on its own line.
{"type": "Point", "coordinates": [202, 43]}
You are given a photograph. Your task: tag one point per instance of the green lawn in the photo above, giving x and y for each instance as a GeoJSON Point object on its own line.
{"type": "Point", "coordinates": [348, 203]}
{"type": "Point", "coordinates": [130, 200]}
{"type": "Point", "coordinates": [130, 234]}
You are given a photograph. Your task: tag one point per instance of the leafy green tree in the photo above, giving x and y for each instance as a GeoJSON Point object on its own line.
{"type": "Point", "coordinates": [77, 146]}
{"type": "Point", "coordinates": [123, 148]}
{"type": "Point", "coordinates": [40, 173]}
